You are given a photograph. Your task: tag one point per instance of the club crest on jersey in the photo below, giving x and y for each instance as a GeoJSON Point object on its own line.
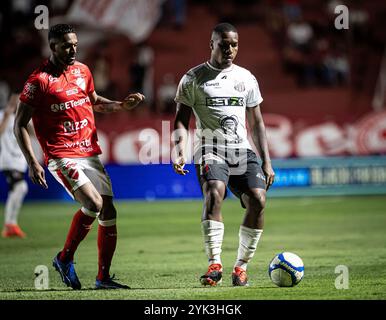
{"type": "Point", "coordinates": [81, 83]}
{"type": "Point", "coordinates": [225, 101]}
{"type": "Point", "coordinates": [239, 86]}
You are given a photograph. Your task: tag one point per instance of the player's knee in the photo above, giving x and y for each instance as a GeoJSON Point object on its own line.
{"type": "Point", "coordinates": [214, 197]}
{"type": "Point", "coordinates": [256, 200]}
{"type": "Point", "coordinates": [21, 187]}
{"type": "Point", "coordinates": [94, 203]}
{"type": "Point", "coordinates": [108, 211]}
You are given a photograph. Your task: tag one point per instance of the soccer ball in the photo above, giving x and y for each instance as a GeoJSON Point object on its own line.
{"type": "Point", "coordinates": [286, 269]}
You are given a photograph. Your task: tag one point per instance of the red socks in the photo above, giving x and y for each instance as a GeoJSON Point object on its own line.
{"type": "Point", "coordinates": [80, 226]}
{"type": "Point", "coordinates": [107, 241]}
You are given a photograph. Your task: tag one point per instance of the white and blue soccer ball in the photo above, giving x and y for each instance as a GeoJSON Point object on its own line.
{"type": "Point", "coordinates": [286, 269]}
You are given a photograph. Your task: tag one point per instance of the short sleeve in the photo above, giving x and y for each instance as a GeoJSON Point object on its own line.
{"type": "Point", "coordinates": [254, 95]}
{"type": "Point", "coordinates": [32, 93]}
{"type": "Point", "coordinates": [90, 81]}
{"type": "Point", "coordinates": [185, 91]}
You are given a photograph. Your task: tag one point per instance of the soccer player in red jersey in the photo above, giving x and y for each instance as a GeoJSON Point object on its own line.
{"type": "Point", "coordinates": [60, 98]}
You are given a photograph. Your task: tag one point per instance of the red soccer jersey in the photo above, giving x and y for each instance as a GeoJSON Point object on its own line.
{"type": "Point", "coordinates": [63, 117]}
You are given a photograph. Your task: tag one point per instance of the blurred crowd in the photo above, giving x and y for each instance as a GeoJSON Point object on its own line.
{"type": "Point", "coordinates": [314, 50]}
{"type": "Point", "coordinates": [311, 49]}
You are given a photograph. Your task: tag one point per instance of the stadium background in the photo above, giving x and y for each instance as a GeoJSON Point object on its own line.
{"type": "Point", "coordinates": [323, 88]}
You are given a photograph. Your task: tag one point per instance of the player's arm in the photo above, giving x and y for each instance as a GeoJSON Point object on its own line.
{"type": "Point", "coordinates": [104, 105]}
{"type": "Point", "coordinates": [8, 111]}
{"type": "Point", "coordinates": [259, 137]}
{"type": "Point", "coordinates": [35, 170]}
{"type": "Point", "coordinates": [181, 127]}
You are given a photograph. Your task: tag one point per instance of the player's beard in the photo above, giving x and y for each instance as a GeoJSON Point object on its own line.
{"type": "Point", "coordinates": [70, 60]}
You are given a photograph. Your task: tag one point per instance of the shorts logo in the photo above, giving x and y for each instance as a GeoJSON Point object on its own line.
{"type": "Point", "coordinates": [260, 176]}
{"type": "Point", "coordinates": [71, 171]}
{"type": "Point", "coordinates": [204, 168]}
{"type": "Point", "coordinates": [73, 174]}
{"type": "Point", "coordinates": [225, 102]}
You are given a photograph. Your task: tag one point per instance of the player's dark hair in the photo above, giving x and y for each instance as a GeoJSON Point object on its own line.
{"type": "Point", "coordinates": [224, 27]}
{"type": "Point", "coordinates": [59, 30]}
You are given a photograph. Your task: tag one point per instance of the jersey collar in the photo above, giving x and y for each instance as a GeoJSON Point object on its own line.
{"type": "Point", "coordinates": [217, 69]}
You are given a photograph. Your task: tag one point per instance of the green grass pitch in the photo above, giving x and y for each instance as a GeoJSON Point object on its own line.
{"type": "Point", "coordinates": [160, 250]}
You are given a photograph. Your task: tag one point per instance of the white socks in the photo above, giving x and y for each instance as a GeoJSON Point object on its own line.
{"type": "Point", "coordinates": [14, 201]}
{"type": "Point", "coordinates": [213, 232]}
{"type": "Point", "coordinates": [248, 239]}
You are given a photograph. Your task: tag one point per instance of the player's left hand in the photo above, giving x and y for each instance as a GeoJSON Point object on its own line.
{"type": "Point", "coordinates": [269, 174]}
{"type": "Point", "coordinates": [132, 100]}
{"type": "Point", "coordinates": [178, 166]}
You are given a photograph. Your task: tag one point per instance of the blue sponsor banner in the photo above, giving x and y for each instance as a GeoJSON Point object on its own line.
{"type": "Point", "coordinates": [294, 177]}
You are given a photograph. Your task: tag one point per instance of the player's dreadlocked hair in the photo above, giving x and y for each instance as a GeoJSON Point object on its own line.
{"type": "Point", "coordinates": [224, 27]}
{"type": "Point", "coordinates": [59, 30]}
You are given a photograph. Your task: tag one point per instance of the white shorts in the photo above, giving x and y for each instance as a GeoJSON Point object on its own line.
{"type": "Point", "coordinates": [72, 173]}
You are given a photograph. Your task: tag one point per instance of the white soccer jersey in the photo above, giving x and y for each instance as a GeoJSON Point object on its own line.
{"type": "Point", "coordinates": [11, 157]}
{"type": "Point", "coordinates": [219, 98]}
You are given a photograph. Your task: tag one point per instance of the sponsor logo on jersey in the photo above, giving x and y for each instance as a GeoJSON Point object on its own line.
{"type": "Point", "coordinates": [72, 127]}
{"type": "Point", "coordinates": [52, 79]}
{"type": "Point", "coordinates": [29, 90]}
{"type": "Point", "coordinates": [86, 143]}
{"type": "Point", "coordinates": [75, 71]}
{"type": "Point", "coordinates": [225, 101]}
{"type": "Point", "coordinates": [69, 104]}
{"type": "Point", "coordinates": [212, 84]}
{"type": "Point", "coordinates": [71, 92]}
{"type": "Point", "coordinates": [239, 86]}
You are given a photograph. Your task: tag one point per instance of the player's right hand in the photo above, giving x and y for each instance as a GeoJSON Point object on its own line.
{"type": "Point", "coordinates": [132, 100]}
{"type": "Point", "coordinates": [179, 165]}
{"type": "Point", "coordinates": [37, 175]}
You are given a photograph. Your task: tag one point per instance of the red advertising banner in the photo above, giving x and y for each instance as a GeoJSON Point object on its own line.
{"type": "Point", "coordinates": [127, 140]}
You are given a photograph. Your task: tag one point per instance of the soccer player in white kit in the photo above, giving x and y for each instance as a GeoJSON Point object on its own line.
{"type": "Point", "coordinates": [222, 96]}
{"type": "Point", "coordinates": [13, 166]}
